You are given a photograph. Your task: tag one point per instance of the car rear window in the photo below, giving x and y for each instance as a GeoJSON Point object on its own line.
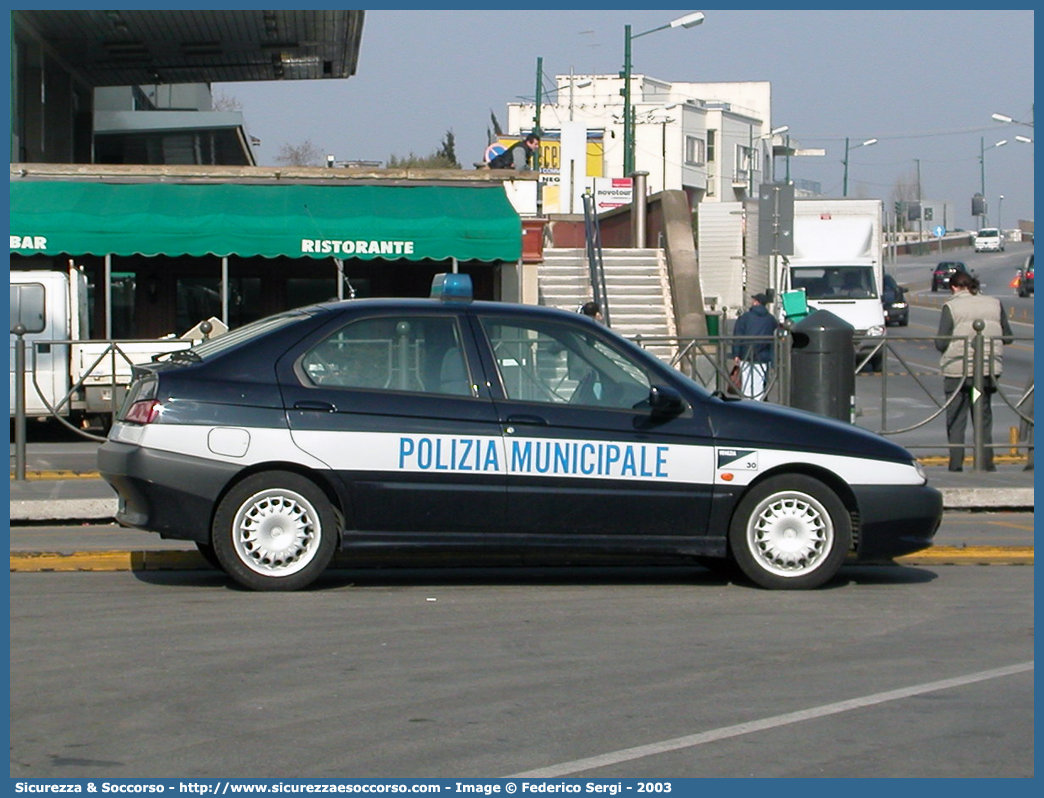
{"type": "Point", "coordinates": [247, 332]}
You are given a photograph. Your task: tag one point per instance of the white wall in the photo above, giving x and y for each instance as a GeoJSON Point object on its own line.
{"type": "Point", "coordinates": [742, 113]}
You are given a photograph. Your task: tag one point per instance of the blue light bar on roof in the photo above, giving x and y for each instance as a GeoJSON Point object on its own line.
{"type": "Point", "coordinates": [452, 287]}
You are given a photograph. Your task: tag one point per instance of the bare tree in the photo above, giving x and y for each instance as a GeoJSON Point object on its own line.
{"type": "Point", "coordinates": [225, 102]}
{"type": "Point", "coordinates": [303, 154]}
{"type": "Point", "coordinates": [903, 192]}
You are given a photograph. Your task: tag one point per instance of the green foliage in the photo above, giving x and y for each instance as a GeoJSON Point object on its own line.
{"type": "Point", "coordinates": [445, 157]}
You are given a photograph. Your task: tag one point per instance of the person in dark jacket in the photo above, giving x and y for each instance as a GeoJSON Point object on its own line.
{"type": "Point", "coordinates": [754, 356]}
{"type": "Point", "coordinates": [520, 156]}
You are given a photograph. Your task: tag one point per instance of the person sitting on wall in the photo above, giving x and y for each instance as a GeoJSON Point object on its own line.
{"type": "Point", "coordinates": [520, 156]}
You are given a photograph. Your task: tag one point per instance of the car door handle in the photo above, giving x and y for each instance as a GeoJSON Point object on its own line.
{"type": "Point", "coordinates": [526, 419]}
{"type": "Point", "coordinates": [322, 407]}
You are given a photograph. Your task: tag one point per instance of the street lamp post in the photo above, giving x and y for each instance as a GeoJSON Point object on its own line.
{"type": "Point", "coordinates": [844, 184]}
{"type": "Point", "coordinates": [687, 21]}
{"type": "Point", "coordinates": [982, 169]}
{"type": "Point", "coordinates": [1000, 226]}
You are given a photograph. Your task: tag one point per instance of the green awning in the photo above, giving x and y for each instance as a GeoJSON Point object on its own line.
{"type": "Point", "coordinates": [174, 219]}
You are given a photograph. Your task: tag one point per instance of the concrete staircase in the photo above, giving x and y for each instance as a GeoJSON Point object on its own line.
{"type": "Point", "coordinates": [636, 283]}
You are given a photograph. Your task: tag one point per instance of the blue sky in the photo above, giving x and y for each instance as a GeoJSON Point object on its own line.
{"type": "Point", "coordinates": [924, 83]}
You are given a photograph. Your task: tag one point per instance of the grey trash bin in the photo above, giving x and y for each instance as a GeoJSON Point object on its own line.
{"type": "Point", "coordinates": [822, 366]}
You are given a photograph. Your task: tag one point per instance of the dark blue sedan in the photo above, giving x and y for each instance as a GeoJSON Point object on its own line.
{"type": "Point", "coordinates": [447, 423]}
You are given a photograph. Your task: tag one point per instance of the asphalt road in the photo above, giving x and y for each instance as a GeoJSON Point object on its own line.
{"type": "Point", "coordinates": [893, 671]}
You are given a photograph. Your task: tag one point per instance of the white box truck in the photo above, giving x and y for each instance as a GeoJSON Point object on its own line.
{"type": "Point", "coordinates": [66, 372]}
{"type": "Point", "coordinates": [837, 262]}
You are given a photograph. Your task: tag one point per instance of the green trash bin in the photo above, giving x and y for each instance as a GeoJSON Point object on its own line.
{"type": "Point", "coordinates": [713, 324]}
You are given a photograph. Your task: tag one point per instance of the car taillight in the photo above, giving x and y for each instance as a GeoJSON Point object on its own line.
{"type": "Point", "coordinates": [144, 412]}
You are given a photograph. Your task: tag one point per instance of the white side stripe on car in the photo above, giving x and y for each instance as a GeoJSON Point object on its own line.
{"type": "Point", "coordinates": [508, 455]}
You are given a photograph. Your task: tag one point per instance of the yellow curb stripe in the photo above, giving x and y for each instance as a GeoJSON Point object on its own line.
{"type": "Point", "coordinates": [941, 459]}
{"type": "Point", "coordinates": [107, 561]}
{"type": "Point", "coordinates": [31, 475]}
{"type": "Point", "coordinates": [970, 555]}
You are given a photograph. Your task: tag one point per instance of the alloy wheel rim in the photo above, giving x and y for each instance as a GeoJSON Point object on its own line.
{"type": "Point", "coordinates": [790, 534]}
{"type": "Point", "coordinates": [276, 532]}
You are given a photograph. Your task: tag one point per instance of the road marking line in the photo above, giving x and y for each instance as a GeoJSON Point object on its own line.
{"type": "Point", "coordinates": [1027, 527]}
{"type": "Point", "coordinates": [628, 754]}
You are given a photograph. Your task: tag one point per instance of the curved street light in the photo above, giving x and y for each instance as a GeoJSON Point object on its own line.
{"type": "Point", "coordinates": [844, 184]}
{"type": "Point", "coordinates": [982, 161]}
{"type": "Point", "coordinates": [687, 21]}
{"type": "Point", "coordinates": [1009, 120]}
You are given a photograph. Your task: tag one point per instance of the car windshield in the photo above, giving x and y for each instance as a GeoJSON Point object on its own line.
{"type": "Point", "coordinates": [835, 282]}
{"type": "Point", "coordinates": [987, 234]}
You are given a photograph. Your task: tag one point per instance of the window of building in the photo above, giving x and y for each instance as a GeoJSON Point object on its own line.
{"type": "Point", "coordinates": [746, 162]}
{"type": "Point", "coordinates": [710, 145]}
{"type": "Point", "coordinates": [301, 291]}
{"type": "Point", "coordinates": [199, 298]}
{"type": "Point", "coordinates": [695, 151]}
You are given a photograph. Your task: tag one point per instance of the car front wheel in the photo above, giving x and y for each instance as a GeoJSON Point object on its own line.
{"type": "Point", "coordinates": [275, 531]}
{"type": "Point", "coordinates": [790, 532]}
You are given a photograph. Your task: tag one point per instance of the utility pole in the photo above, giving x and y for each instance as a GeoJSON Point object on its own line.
{"type": "Point", "coordinates": [920, 206]}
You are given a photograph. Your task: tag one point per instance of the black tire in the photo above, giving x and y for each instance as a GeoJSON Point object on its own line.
{"type": "Point", "coordinates": [790, 532]}
{"type": "Point", "coordinates": [275, 531]}
{"type": "Point", "coordinates": [209, 554]}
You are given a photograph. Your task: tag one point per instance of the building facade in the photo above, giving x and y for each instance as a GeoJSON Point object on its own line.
{"type": "Point", "coordinates": [712, 140]}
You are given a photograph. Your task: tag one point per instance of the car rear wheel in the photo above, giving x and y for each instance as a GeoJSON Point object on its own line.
{"type": "Point", "coordinates": [790, 532]}
{"type": "Point", "coordinates": [275, 531]}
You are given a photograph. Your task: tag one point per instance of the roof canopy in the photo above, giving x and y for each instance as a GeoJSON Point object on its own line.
{"type": "Point", "coordinates": [174, 219]}
{"type": "Point", "coordinates": [142, 47]}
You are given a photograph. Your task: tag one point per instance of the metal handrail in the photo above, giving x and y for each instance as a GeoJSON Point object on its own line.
{"type": "Point", "coordinates": [595, 263]}
{"type": "Point", "coordinates": [704, 359]}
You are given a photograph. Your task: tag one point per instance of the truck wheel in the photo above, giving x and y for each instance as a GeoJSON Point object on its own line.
{"type": "Point", "coordinates": [790, 532]}
{"type": "Point", "coordinates": [275, 531]}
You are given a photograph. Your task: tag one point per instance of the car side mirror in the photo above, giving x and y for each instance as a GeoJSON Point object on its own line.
{"type": "Point", "coordinates": [665, 402]}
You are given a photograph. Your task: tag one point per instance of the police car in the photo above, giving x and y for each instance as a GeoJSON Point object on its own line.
{"type": "Point", "coordinates": [467, 424]}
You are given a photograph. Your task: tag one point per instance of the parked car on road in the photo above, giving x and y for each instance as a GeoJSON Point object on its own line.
{"type": "Point", "coordinates": [893, 297]}
{"type": "Point", "coordinates": [1024, 278]}
{"type": "Point", "coordinates": [453, 425]}
{"type": "Point", "coordinates": [943, 271]}
{"type": "Point", "coordinates": [989, 239]}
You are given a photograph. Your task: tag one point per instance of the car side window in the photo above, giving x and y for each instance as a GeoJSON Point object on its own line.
{"type": "Point", "coordinates": [421, 354]}
{"type": "Point", "coordinates": [564, 364]}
